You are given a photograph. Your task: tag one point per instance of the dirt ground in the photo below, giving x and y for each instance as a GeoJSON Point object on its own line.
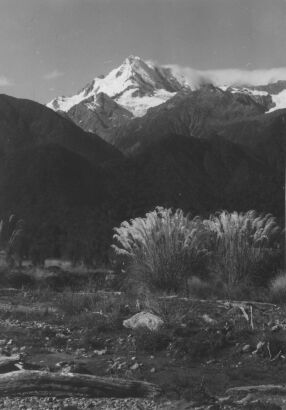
{"type": "Point", "coordinates": [205, 348]}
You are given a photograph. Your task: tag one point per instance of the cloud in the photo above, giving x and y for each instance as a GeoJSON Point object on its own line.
{"type": "Point", "coordinates": [53, 75]}
{"type": "Point", "coordinates": [5, 82]}
{"type": "Point", "coordinates": [228, 77]}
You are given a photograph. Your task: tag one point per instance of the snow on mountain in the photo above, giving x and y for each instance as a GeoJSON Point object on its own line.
{"type": "Point", "coordinates": [273, 96]}
{"type": "Point", "coordinates": [139, 105]}
{"type": "Point", "coordinates": [248, 91]}
{"type": "Point", "coordinates": [279, 100]}
{"type": "Point", "coordinates": [128, 91]}
{"type": "Point", "coordinates": [136, 85]}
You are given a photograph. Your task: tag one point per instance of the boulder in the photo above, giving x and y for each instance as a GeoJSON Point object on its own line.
{"type": "Point", "coordinates": [145, 320]}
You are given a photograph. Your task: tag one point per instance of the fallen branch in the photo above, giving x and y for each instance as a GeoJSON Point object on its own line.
{"type": "Point", "coordinates": [251, 318]}
{"type": "Point", "coordinates": [269, 351]}
{"type": "Point", "coordinates": [222, 303]}
{"type": "Point", "coordinates": [261, 389]}
{"type": "Point", "coordinates": [9, 291]}
{"type": "Point", "coordinates": [27, 381]}
{"type": "Point", "coordinates": [276, 356]}
{"type": "Point", "coordinates": [244, 313]}
{"type": "Point", "coordinates": [8, 363]}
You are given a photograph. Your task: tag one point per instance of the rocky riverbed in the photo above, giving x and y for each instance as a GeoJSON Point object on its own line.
{"type": "Point", "coordinates": [203, 349]}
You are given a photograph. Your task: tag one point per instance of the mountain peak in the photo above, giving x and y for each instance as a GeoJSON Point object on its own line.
{"type": "Point", "coordinates": [132, 59]}
{"type": "Point", "coordinates": [135, 85]}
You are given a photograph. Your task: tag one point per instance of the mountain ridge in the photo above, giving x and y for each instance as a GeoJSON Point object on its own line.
{"type": "Point", "coordinates": [137, 86]}
{"type": "Point", "coordinates": [201, 150]}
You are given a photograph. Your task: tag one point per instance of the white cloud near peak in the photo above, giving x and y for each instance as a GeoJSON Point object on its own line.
{"type": "Point", "coordinates": [5, 82]}
{"type": "Point", "coordinates": [229, 77]}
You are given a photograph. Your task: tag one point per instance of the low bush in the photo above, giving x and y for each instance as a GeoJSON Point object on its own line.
{"type": "Point", "coordinates": [74, 303]}
{"type": "Point", "coordinates": [202, 343]}
{"type": "Point", "coordinates": [200, 289]}
{"type": "Point", "coordinates": [151, 341]}
{"type": "Point", "coordinates": [21, 280]}
{"type": "Point", "coordinates": [95, 311]}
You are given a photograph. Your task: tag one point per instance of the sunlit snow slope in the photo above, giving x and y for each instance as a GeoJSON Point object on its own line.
{"type": "Point", "coordinates": [136, 85]}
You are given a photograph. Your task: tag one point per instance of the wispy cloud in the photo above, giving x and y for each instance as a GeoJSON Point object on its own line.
{"type": "Point", "coordinates": [229, 77]}
{"type": "Point", "coordinates": [52, 75]}
{"type": "Point", "coordinates": [5, 82]}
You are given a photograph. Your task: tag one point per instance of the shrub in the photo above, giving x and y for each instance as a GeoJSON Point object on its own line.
{"type": "Point", "coordinates": [98, 312]}
{"type": "Point", "coordinates": [74, 303]}
{"type": "Point", "coordinates": [242, 242]}
{"type": "Point", "coordinates": [150, 341]}
{"type": "Point", "coordinates": [165, 247]}
{"type": "Point", "coordinates": [12, 238]}
{"type": "Point", "coordinates": [278, 288]}
{"type": "Point", "coordinates": [199, 288]}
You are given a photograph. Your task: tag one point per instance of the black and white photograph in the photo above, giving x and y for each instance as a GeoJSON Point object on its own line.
{"type": "Point", "coordinates": [142, 204]}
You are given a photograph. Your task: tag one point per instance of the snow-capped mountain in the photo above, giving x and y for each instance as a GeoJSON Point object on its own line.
{"type": "Point", "coordinates": [272, 96]}
{"type": "Point", "coordinates": [108, 104]}
{"type": "Point", "coordinates": [136, 86]}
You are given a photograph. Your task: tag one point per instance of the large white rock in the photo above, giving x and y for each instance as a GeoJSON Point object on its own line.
{"type": "Point", "coordinates": [145, 320]}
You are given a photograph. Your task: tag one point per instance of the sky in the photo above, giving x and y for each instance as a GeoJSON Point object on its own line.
{"type": "Point", "coordinates": [55, 47]}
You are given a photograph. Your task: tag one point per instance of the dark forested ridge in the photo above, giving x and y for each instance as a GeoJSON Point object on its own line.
{"type": "Point", "coordinates": [72, 188]}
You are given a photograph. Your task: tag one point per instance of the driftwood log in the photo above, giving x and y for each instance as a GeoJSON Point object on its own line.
{"type": "Point", "coordinates": [37, 382]}
{"type": "Point", "coordinates": [260, 389]}
{"type": "Point", "coordinates": [8, 363]}
{"type": "Point", "coordinates": [222, 303]}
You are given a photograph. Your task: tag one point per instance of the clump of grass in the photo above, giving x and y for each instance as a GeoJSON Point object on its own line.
{"type": "Point", "coordinates": [242, 242]}
{"type": "Point", "coordinates": [150, 341]}
{"type": "Point", "coordinates": [97, 311]}
{"type": "Point", "coordinates": [199, 288]}
{"type": "Point", "coordinates": [165, 247]}
{"type": "Point", "coordinates": [220, 256]}
{"type": "Point", "coordinates": [278, 288]}
{"type": "Point", "coordinates": [74, 303]}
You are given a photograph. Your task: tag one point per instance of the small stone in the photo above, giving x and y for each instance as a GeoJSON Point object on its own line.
{"type": "Point", "coordinates": [145, 320]}
{"type": "Point", "coordinates": [135, 366]}
{"type": "Point", "coordinates": [259, 347]}
{"type": "Point", "coordinates": [100, 352]}
{"type": "Point", "coordinates": [210, 361]}
{"type": "Point", "coordinates": [246, 348]}
{"type": "Point", "coordinates": [153, 370]}
{"type": "Point", "coordinates": [208, 319]}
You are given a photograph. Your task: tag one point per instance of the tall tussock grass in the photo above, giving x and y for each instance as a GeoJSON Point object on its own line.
{"type": "Point", "coordinates": [242, 243]}
{"type": "Point", "coordinates": [163, 248]}
{"type": "Point", "coordinates": [166, 249]}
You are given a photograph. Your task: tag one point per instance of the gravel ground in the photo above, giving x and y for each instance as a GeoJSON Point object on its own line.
{"type": "Point", "coordinates": [74, 403]}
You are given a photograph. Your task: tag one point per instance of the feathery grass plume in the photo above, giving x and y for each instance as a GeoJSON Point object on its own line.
{"type": "Point", "coordinates": [165, 247]}
{"type": "Point", "coordinates": [278, 288]}
{"type": "Point", "coordinates": [242, 242]}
